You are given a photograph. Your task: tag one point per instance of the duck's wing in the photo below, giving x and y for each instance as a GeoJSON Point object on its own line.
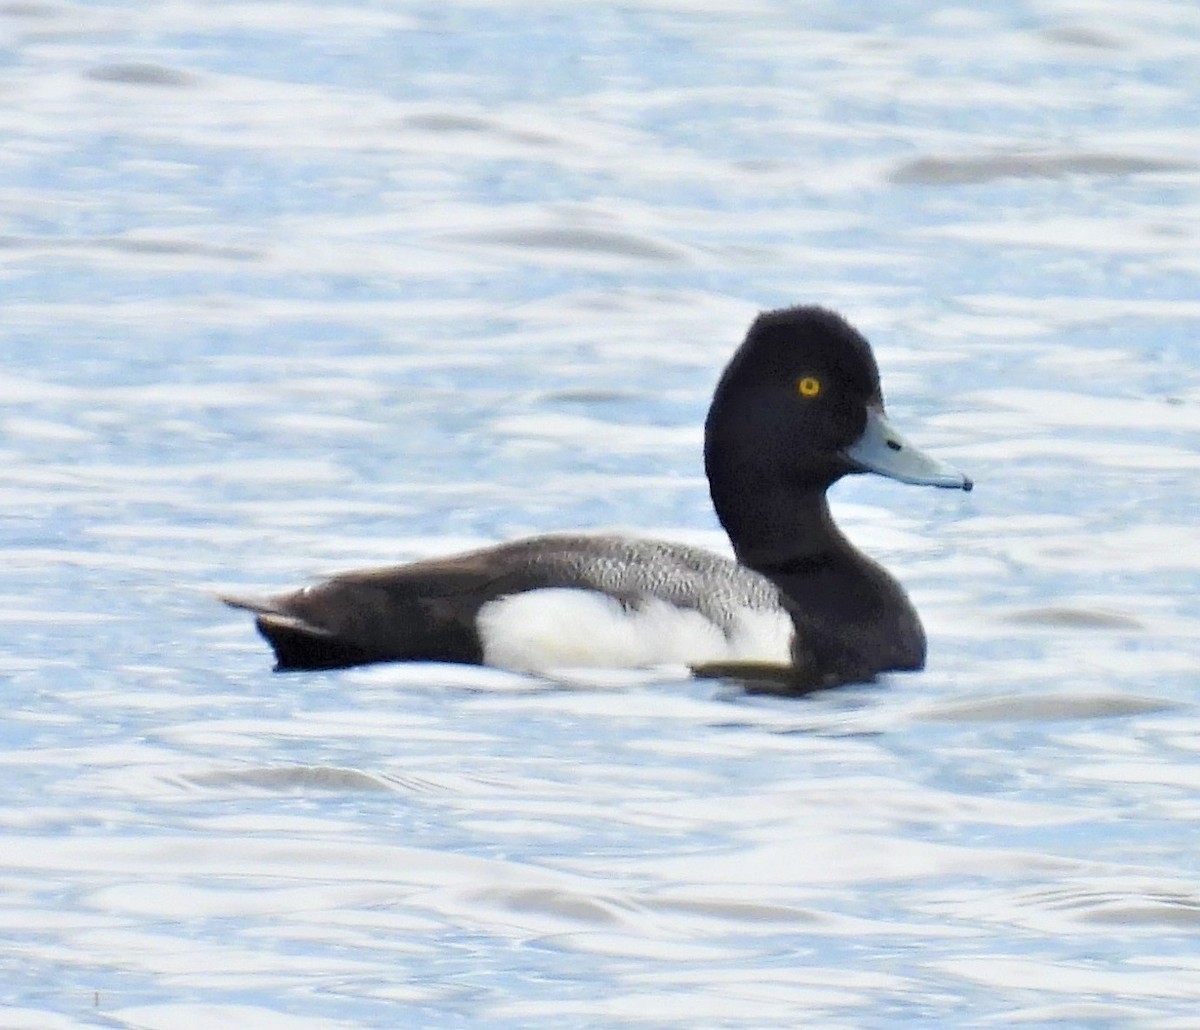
{"type": "Point", "coordinates": [428, 610]}
{"type": "Point", "coordinates": [423, 611]}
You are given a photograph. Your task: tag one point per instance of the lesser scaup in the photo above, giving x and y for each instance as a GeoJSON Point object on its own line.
{"type": "Point", "coordinates": [798, 407]}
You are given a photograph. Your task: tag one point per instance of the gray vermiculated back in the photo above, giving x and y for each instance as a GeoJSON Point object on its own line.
{"type": "Point", "coordinates": [634, 568]}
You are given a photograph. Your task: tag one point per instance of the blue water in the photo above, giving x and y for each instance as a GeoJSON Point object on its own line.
{"type": "Point", "coordinates": [290, 289]}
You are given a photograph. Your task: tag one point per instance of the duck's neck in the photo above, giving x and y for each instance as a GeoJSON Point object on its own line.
{"type": "Point", "coordinates": [853, 619]}
{"type": "Point", "coordinates": [781, 530]}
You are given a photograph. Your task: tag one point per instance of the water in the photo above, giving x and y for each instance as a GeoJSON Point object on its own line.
{"type": "Point", "coordinates": [291, 288]}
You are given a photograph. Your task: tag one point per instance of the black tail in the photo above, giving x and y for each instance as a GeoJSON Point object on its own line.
{"type": "Point", "coordinates": [297, 647]}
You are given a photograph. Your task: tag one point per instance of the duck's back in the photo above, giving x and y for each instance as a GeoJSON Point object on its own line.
{"type": "Point", "coordinates": [532, 604]}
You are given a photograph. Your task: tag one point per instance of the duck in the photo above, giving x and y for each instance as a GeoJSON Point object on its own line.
{"type": "Point", "coordinates": [798, 407]}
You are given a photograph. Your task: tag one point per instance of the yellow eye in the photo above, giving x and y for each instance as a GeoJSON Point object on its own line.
{"type": "Point", "coordinates": [808, 386]}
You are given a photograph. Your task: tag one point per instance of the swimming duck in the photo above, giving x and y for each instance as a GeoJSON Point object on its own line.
{"type": "Point", "coordinates": [798, 406]}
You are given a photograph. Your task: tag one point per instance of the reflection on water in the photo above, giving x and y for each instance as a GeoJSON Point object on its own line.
{"type": "Point", "coordinates": [292, 288]}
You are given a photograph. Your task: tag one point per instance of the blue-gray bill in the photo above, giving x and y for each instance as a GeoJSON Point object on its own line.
{"type": "Point", "coordinates": [883, 450]}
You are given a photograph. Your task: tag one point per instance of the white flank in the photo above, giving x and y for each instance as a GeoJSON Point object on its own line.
{"type": "Point", "coordinates": [561, 628]}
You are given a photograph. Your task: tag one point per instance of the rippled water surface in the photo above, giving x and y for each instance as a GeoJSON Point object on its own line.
{"type": "Point", "coordinates": [291, 288]}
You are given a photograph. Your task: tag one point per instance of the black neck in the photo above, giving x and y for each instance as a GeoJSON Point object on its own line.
{"type": "Point", "coordinates": [853, 618]}
{"type": "Point", "coordinates": [778, 529]}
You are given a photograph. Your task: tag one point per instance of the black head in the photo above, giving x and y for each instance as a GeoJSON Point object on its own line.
{"type": "Point", "coordinates": [798, 407]}
{"type": "Point", "coordinates": [791, 400]}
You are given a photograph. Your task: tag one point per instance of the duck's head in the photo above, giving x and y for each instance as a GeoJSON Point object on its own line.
{"type": "Point", "coordinates": [798, 407]}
